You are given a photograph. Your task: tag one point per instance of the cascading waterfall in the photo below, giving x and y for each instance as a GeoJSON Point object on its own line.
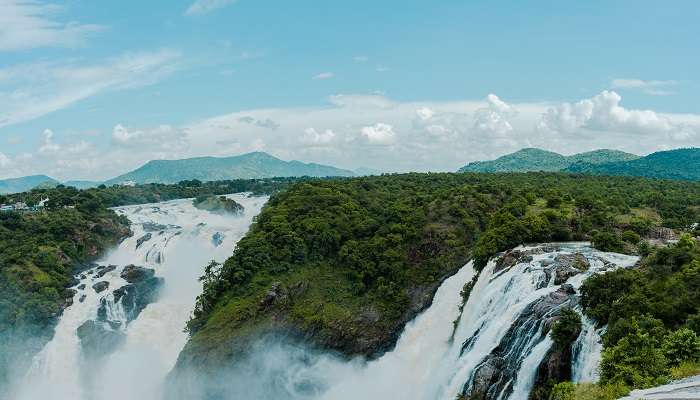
{"type": "Point", "coordinates": [495, 350]}
{"type": "Point", "coordinates": [134, 317]}
{"type": "Point", "coordinates": [492, 347]}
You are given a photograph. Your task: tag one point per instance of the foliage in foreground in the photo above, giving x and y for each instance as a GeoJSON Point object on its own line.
{"type": "Point", "coordinates": [653, 316]}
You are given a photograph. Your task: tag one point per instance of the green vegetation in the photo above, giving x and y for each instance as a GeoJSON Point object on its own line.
{"type": "Point", "coordinates": [541, 160]}
{"type": "Point", "coordinates": [672, 164]}
{"type": "Point", "coordinates": [348, 262]}
{"type": "Point", "coordinates": [652, 314]}
{"type": "Point", "coordinates": [566, 329]}
{"type": "Point", "coordinates": [16, 185]}
{"type": "Point", "coordinates": [217, 204]}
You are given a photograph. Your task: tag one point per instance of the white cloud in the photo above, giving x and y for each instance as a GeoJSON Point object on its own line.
{"type": "Point", "coordinates": [201, 7]}
{"type": "Point", "coordinates": [603, 112]}
{"type": "Point", "coordinates": [323, 75]}
{"type": "Point", "coordinates": [424, 113]}
{"type": "Point", "coordinates": [379, 134]}
{"type": "Point", "coordinates": [5, 161]}
{"type": "Point", "coordinates": [360, 58]}
{"type": "Point", "coordinates": [163, 137]}
{"type": "Point", "coordinates": [27, 24]}
{"type": "Point", "coordinates": [652, 87]}
{"type": "Point", "coordinates": [376, 132]}
{"type": "Point", "coordinates": [381, 68]}
{"type": "Point", "coordinates": [494, 119]}
{"type": "Point", "coordinates": [48, 146]}
{"type": "Point", "coordinates": [32, 90]}
{"type": "Point", "coordinates": [314, 138]}
{"type": "Point", "coordinates": [360, 101]}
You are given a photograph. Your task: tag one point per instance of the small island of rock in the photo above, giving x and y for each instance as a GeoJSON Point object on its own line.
{"type": "Point", "coordinates": [217, 204]}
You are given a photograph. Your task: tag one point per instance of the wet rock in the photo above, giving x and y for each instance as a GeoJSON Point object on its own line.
{"type": "Point", "coordinates": [511, 258]}
{"type": "Point", "coordinates": [102, 270]}
{"type": "Point", "coordinates": [81, 286]}
{"type": "Point", "coordinates": [217, 239]}
{"type": "Point", "coordinates": [143, 239]}
{"type": "Point", "coordinates": [153, 227]}
{"type": "Point", "coordinates": [132, 273]}
{"type": "Point", "coordinates": [98, 340]}
{"type": "Point", "coordinates": [82, 298]}
{"type": "Point", "coordinates": [489, 371]}
{"type": "Point", "coordinates": [100, 286]}
{"type": "Point", "coordinates": [135, 297]}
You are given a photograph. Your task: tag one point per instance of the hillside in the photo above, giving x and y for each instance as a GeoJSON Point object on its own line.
{"type": "Point", "coordinates": [25, 183]}
{"type": "Point", "coordinates": [246, 166]}
{"type": "Point", "coordinates": [533, 159]}
{"type": "Point", "coordinates": [346, 263]}
{"type": "Point", "coordinates": [672, 164]}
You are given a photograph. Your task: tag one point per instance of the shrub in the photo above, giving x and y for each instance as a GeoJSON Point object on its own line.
{"type": "Point", "coordinates": [567, 328]}
{"type": "Point", "coordinates": [631, 237]}
{"type": "Point", "coordinates": [681, 345]}
{"type": "Point", "coordinates": [607, 241]}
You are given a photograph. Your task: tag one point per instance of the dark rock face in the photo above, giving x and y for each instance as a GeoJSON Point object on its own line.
{"type": "Point", "coordinates": [495, 375]}
{"type": "Point", "coordinates": [153, 227]}
{"type": "Point", "coordinates": [104, 269]}
{"type": "Point", "coordinates": [98, 339]}
{"type": "Point", "coordinates": [555, 368]}
{"type": "Point", "coordinates": [133, 273]}
{"type": "Point", "coordinates": [136, 296]}
{"type": "Point", "coordinates": [143, 239]}
{"type": "Point", "coordinates": [100, 286]}
{"type": "Point", "coordinates": [217, 239]}
{"type": "Point", "coordinates": [511, 258]}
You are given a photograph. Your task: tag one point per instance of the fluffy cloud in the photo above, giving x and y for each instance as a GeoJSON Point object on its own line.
{"type": "Point", "coordinates": [372, 131]}
{"type": "Point", "coordinates": [5, 161]}
{"type": "Point", "coordinates": [163, 137]}
{"type": "Point", "coordinates": [200, 7]}
{"type": "Point", "coordinates": [33, 90]}
{"type": "Point", "coordinates": [379, 134]}
{"type": "Point", "coordinates": [314, 138]}
{"type": "Point", "coordinates": [27, 24]}
{"type": "Point", "coordinates": [603, 112]}
{"type": "Point", "coordinates": [494, 119]}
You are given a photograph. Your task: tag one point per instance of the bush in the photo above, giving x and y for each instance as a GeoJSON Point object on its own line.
{"type": "Point", "coordinates": [635, 361]}
{"type": "Point", "coordinates": [563, 391]}
{"type": "Point", "coordinates": [607, 241]}
{"type": "Point", "coordinates": [566, 329]}
{"type": "Point", "coordinates": [681, 345]}
{"type": "Point", "coordinates": [631, 237]}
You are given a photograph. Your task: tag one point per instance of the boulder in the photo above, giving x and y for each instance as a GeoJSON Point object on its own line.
{"type": "Point", "coordinates": [102, 270]}
{"type": "Point", "coordinates": [100, 286]}
{"type": "Point", "coordinates": [135, 297]}
{"type": "Point", "coordinates": [98, 340]}
{"type": "Point", "coordinates": [143, 239]}
{"type": "Point", "coordinates": [217, 239]}
{"type": "Point", "coordinates": [132, 273]}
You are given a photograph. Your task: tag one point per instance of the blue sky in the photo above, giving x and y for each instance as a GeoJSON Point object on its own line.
{"type": "Point", "coordinates": [90, 89]}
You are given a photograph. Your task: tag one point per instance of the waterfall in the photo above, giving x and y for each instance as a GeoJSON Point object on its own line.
{"type": "Point", "coordinates": [139, 334]}
{"type": "Point", "coordinates": [492, 347]}
{"type": "Point", "coordinates": [587, 352]}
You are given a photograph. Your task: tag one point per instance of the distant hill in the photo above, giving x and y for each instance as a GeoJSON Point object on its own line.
{"type": "Point", "coordinates": [671, 164]}
{"type": "Point", "coordinates": [246, 166]}
{"type": "Point", "coordinates": [25, 183]}
{"type": "Point", "coordinates": [533, 159]}
{"type": "Point", "coordinates": [82, 184]}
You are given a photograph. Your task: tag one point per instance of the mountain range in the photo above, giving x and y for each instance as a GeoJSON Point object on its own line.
{"type": "Point", "coordinates": [245, 166]}
{"type": "Point", "coordinates": [532, 159]}
{"type": "Point", "coordinates": [670, 164]}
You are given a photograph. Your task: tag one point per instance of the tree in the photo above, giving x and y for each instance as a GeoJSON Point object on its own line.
{"type": "Point", "coordinates": [681, 345]}
{"type": "Point", "coordinates": [607, 241]}
{"type": "Point", "coordinates": [634, 361]}
{"type": "Point", "coordinates": [567, 328]}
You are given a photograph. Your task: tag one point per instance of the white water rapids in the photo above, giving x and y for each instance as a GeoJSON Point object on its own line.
{"type": "Point", "coordinates": [182, 244]}
{"type": "Point", "coordinates": [443, 353]}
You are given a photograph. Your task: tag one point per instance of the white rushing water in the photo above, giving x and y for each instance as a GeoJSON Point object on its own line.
{"type": "Point", "coordinates": [494, 350]}
{"type": "Point", "coordinates": [182, 241]}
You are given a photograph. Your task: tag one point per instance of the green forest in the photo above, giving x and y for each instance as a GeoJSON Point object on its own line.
{"type": "Point", "coordinates": [349, 262]}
